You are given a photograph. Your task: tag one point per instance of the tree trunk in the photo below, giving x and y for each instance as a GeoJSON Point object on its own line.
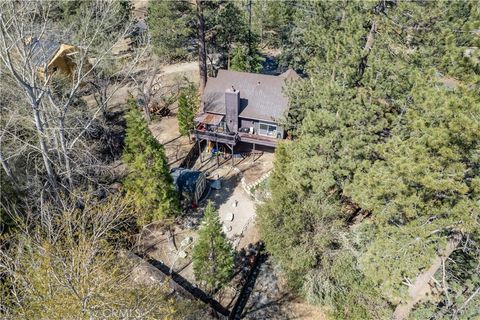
{"type": "Point", "coordinates": [8, 171]}
{"type": "Point", "coordinates": [202, 52]}
{"type": "Point", "coordinates": [420, 288]}
{"type": "Point", "coordinates": [43, 145]}
{"type": "Point", "coordinates": [66, 157]}
{"type": "Point", "coordinates": [147, 89]}
{"type": "Point", "coordinates": [366, 49]}
{"type": "Point", "coordinates": [146, 110]}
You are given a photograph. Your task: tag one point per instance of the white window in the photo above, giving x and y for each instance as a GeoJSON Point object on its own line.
{"type": "Point", "coordinates": [269, 130]}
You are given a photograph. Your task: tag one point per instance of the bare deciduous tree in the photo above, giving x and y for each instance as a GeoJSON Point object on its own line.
{"type": "Point", "coordinates": [53, 103]}
{"type": "Point", "coordinates": [68, 267]}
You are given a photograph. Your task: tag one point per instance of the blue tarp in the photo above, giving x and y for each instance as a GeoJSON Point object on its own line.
{"type": "Point", "coordinates": [185, 179]}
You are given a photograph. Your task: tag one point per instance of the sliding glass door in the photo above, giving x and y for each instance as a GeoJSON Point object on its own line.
{"type": "Point", "coordinates": [269, 130]}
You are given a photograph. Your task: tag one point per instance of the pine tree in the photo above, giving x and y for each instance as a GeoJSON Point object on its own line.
{"type": "Point", "coordinates": [187, 107]}
{"type": "Point", "coordinates": [171, 43]}
{"type": "Point", "coordinates": [273, 20]}
{"type": "Point", "coordinates": [225, 24]}
{"type": "Point", "coordinates": [212, 254]}
{"type": "Point", "coordinates": [423, 188]}
{"type": "Point", "coordinates": [243, 61]}
{"type": "Point", "coordinates": [383, 173]}
{"type": "Point", "coordinates": [149, 182]}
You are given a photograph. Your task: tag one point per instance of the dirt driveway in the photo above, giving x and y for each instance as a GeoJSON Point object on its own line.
{"type": "Point", "coordinates": [239, 206]}
{"type": "Point", "coordinates": [232, 199]}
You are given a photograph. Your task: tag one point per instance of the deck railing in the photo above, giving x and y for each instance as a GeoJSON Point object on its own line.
{"type": "Point", "coordinates": [232, 139]}
{"type": "Point", "coordinates": [257, 139]}
{"type": "Point", "coordinates": [216, 136]}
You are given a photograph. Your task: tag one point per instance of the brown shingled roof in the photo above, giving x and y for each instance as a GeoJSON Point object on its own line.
{"type": "Point", "coordinates": [261, 95]}
{"type": "Point", "coordinates": [290, 74]}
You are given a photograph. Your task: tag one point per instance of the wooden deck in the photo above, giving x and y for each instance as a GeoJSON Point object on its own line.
{"type": "Point", "coordinates": [216, 137]}
{"type": "Point", "coordinates": [257, 139]}
{"type": "Point", "coordinates": [232, 139]}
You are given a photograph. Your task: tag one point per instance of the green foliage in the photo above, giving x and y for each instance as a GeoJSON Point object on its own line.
{"type": "Point", "coordinates": [341, 285]}
{"type": "Point", "coordinates": [384, 168]}
{"type": "Point", "coordinates": [212, 254]}
{"type": "Point", "coordinates": [149, 182]}
{"type": "Point", "coordinates": [227, 25]}
{"type": "Point", "coordinates": [273, 21]}
{"type": "Point", "coordinates": [171, 25]}
{"type": "Point", "coordinates": [187, 108]}
{"type": "Point", "coordinates": [243, 61]}
{"type": "Point", "coordinates": [421, 183]}
{"type": "Point", "coordinates": [227, 29]}
{"type": "Point", "coordinates": [281, 25]}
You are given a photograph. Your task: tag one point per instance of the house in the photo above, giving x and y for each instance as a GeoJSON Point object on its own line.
{"type": "Point", "coordinates": [190, 184]}
{"type": "Point", "coordinates": [243, 108]}
{"type": "Point", "coordinates": [50, 56]}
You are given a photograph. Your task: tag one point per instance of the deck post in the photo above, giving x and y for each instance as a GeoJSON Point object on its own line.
{"type": "Point", "coordinates": [216, 153]}
{"type": "Point", "coordinates": [200, 150]}
{"type": "Point", "coordinates": [253, 153]}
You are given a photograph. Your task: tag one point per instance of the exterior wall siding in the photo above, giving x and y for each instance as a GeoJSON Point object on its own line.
{"type": "Point", "coordinates": [255, 124]}
{"type": "Point", "coordinates": [247, 123]}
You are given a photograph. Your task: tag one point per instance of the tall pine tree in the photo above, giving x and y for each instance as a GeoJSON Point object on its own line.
{"type": "Point", "coordinates": [242, 60]}
{"type": "Point", "coordinates": [187, 107]}
{"type": "Point", "coordinates": [172, 28]}
{"type": "Point", "coordinates": [148, 182]}
{"type": "Point", "coordinates": [225, 24]}
{"type": "Point", "coordinates": [212, 253]}
{"type": "Point", "coordinates": [382, 179]}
